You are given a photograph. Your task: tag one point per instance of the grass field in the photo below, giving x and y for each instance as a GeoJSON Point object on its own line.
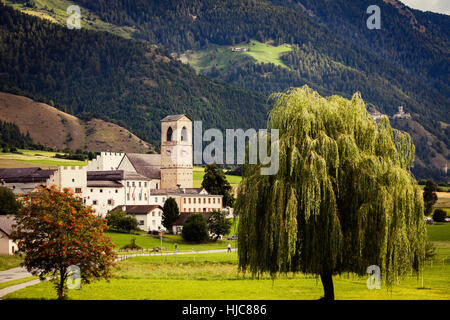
{"type": "Point", "coordinates": [215, 276]}
{"type": "Point", "coordinates": [198, 174]}
{"type": "Point", "coordinates": [56, 11]}
{"type": "Point", "coordinates": [9, 261]}
{"type": "Point", "coordinates": [221, 56]}
{"type": "Point", "coordinates": [17, 281]}
{"type": "Point", "coordinates": [35, 158]}
{"type": "Point", "coordinates": [169, 241]}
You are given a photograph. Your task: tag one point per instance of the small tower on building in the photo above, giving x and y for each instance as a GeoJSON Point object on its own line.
{"type": "Point", "coordinates": [176, 152]}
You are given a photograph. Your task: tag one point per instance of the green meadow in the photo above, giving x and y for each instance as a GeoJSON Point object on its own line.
{"type": "Point", "coordinates": [56, 11]}
{"type": "Point", "coordinates": [168, 242]}
{"type": "Point", "coordinates": [216, 276]}
{"type": "Point", "coordinates": [198, 174]}
{"type": "Point", "coordinates": [221, 57]}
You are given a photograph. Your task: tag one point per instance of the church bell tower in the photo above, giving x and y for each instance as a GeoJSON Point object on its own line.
{"type": "Point", "coordinates": [176, 152]}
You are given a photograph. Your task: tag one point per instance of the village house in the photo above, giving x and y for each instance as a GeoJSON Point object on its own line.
{"type": "Point", "coordinates": [149, 217]}
{"type": "Point", "coordinates": [7, 245]}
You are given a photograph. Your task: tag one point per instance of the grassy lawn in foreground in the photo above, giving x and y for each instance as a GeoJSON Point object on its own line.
{"type": "Point", "coordinates": [18, 281]}
{"type": "Point", "coordinates": [215, 276]}
{"type": "Point", "coordinates": [9, 261]}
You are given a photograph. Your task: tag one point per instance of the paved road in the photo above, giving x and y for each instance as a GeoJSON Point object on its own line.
{"type": "Point", "coordinates": [14, 274]}
{"type": "Point", "coordinates": [8, 290]}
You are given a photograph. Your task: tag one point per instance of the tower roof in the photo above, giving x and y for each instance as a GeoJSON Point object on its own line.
{"type": "Point", "coordinates": [175, 117]}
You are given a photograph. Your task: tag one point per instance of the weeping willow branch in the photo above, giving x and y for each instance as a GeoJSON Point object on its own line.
{"type": "Point", "coordinates": [343, 198]}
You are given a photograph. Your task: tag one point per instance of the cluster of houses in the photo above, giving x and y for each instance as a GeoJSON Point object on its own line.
{"type": "Point", "coordinates": [401, 114]}
{"type": "Point", "coordinates": [137, 184]}
{"type": "Point", "coordinates": [234, 49]}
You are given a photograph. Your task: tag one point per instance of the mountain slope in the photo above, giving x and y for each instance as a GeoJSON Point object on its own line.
{"type": "Point", "coordinates": [131, 83]}
{"type": "Point", "coordinates": [56, 129]}
{"type": "Point", "coordinates": [404, 63]}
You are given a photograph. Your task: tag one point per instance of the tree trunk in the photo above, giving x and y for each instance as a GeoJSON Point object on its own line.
{"type": "Point", "coordinates": [327, 282]}
{"type": "Point", "coordinates": [62, 284]}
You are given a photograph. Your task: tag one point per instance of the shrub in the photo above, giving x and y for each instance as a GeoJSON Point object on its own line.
{"type": "Point", "coordinates": [119, 221]}
{"type": "Point", "coordinates": [8, 202]}
{"type": "Point", "coordinates": [170, 213]}
{"type": "Point", "coordinates": [131, 246]}
{"type": "Point", "coordinates": [195, 228]}
{"type": "Point", "coordinates": [218, 224]}
{"type": "Point", "coordinates": [439, 215]}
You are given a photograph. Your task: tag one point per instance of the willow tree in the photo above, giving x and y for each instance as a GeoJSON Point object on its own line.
{"type": "Point", "coordinates": [342, 199]}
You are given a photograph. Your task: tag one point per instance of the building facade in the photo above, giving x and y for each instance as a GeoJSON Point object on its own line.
{"type": "Point", "coordinates": [176, 152]}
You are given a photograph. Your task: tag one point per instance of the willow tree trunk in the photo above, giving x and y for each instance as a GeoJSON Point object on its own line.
{"type": "Point", "coordinates": [327, 282]}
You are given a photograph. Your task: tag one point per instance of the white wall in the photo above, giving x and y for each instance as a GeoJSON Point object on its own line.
{"type": "Point", "coordinates": [7, 246]}
{"type": "Point", "coordinates": [137, 192]}
{"type": "Point", "coordinates": [151, 221]}
{"type": "Point", "coordinates": [101, 195]}
{"type": "Point", "coordinates": [105, 161]}
{"type": "Point", "coordinates": [74, 178]}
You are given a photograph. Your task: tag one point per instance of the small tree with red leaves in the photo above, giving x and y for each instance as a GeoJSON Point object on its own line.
{"type": "Point", "coordinates": [55, 231]}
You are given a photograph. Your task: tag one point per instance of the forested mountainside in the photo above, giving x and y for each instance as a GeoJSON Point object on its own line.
{"type": "Point", "coordinates": [406, 63]}
{"type": "Point", "coordinates": [129, 82]}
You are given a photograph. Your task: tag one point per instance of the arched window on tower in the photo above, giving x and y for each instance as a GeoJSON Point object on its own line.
{"type": "Point", "coordinates": [169, 134]}
{"type": "Point", "coordinates": [184, 134]}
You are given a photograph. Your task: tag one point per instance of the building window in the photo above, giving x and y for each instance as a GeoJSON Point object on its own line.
{"type": "Point", "coordinates": [77, 190]}
{"type": "Point", "coordinates": [145, 184]}
{"type": "Point", "coordinates": [92, 190]}
{"type": "Point", "coordinates": [128, 183]}
{"type": "Point", "coordinates": [209, 200]}
{"type": "Point", "coordinates": [214, 200]}
{"type": "Point", "coordinates": [73, 180]}
{"type": "Point", "coordinates": [184, 200]}
{"type": "Point", "coordinates": [94, 202]}
{"type": "Point", "coordinates": [204, 200]}
{"type": "Point", "coordinates": [194, 200]}
{"type": "Point", "coordinates": [153, 214]}
{"type": "Point", "coordinates": [156, 199]}
{"type": "Point", "coordinates": [117, 191]}
{"type": "Point", "coordinates": [156, 186]}
{"type": "Point", "coordinates": [133, 184]}
{"type": "Point", "coordinates": [184, 134]}
{"type": "Point", "coordinates": [141, 222]}
{"type": "Point", "coordinates": [139, 184]}
{"type": "Point", "coordinates": [189, 200]}
{"type": "Point", "coordinates": [101, 190]}
{"type": "Point", "coordinates": [110, 202]}
{"type": "Point", "coordinates": [169, 134]}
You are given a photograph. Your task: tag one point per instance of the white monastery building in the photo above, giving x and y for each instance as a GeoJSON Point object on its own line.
{"type": "Point", "coordinates": [138, 184]}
